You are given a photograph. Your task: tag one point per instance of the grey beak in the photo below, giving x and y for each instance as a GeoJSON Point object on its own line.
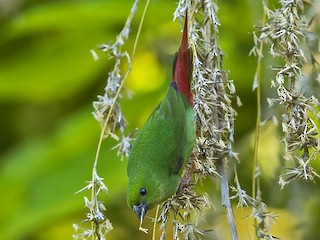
{"type": "Point", "coordinates": [140, 210]}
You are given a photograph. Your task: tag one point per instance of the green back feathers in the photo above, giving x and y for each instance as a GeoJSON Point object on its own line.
{"type": "Point", "coordinates": [162, 136]}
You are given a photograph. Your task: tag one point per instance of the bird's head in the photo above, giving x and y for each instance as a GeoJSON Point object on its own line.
{"type": "Point", "coordinates": [147, 191]}
{"type": "Point", "coordinates": [143, 196]}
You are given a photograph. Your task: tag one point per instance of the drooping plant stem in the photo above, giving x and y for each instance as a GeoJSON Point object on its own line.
{"type": "Point", "coordinates": [108, 113]}
{"type": "Point", "coordinates": [257, 87]}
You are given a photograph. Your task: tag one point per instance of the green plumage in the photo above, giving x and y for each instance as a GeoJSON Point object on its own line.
{"type": "Point", "coordinates": [165, 142]}
{"type": "Point", "coordinates": [160, 151]}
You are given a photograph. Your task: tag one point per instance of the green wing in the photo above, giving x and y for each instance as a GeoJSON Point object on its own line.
{"type": "Point", "coordinates": [166, 140]}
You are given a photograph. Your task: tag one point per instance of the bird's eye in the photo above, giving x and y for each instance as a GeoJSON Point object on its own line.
{"type": "Point", "coordinates": [143, 191]}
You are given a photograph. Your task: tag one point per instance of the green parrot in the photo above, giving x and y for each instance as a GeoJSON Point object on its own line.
{"type": "Point", "coordinates": [165, 143]}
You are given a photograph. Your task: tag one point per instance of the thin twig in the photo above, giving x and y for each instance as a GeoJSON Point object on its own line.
{"type": "Point", "coordinates": [155, 223]}
{"type": "Point", "coordinates": [224, 185]}
{"type": "Point", "coordinates": [257, 83]}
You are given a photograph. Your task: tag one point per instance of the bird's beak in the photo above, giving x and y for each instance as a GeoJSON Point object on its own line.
{"type": "Point", "coordinates": [140, 210]}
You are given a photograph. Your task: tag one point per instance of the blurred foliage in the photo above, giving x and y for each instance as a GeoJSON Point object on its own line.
{"type": "Point", "coordinates": [48, 80]}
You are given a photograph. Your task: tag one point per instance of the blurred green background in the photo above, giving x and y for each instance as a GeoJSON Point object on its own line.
{"type": "Point", "coordinates": [48, 81]}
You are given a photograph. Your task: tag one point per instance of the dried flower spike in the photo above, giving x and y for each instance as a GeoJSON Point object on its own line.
{"type": "Point", "coordinates": [285, 30]}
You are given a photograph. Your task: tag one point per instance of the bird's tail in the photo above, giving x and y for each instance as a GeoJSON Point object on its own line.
{"type": "Point", "coordinates": [182, 67]}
